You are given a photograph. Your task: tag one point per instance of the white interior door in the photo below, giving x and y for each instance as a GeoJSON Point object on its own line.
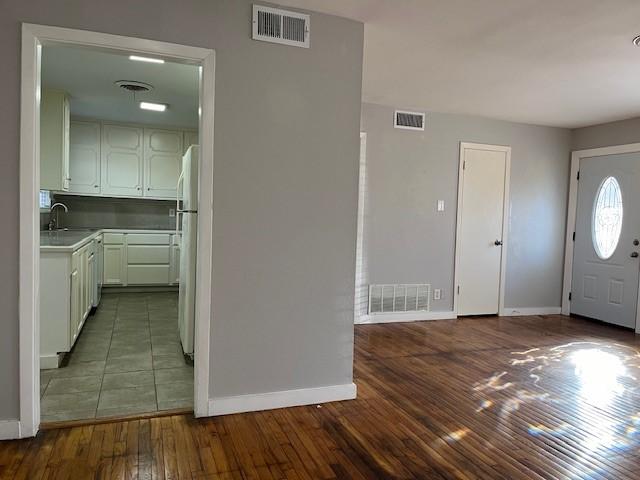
{"type": "Point", "coordinates": [481, 208]}
{"type": "Point", "coordinates": [607, 239]}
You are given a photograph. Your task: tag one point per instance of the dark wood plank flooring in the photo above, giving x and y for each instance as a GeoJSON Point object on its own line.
{"type": "Point", "coordinates": [492, 398]}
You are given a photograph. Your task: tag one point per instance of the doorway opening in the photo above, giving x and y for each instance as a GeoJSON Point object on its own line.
{"type": "Point", "coordinates": [481, 234]}
{"type": "Point", "coordinates": [115, 226]}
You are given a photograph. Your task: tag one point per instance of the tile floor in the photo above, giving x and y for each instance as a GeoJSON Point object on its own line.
{"type": "Point", "coordinates": [127, 360]}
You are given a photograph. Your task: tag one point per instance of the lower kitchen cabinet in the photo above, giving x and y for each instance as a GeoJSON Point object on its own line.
{"type": "Point", "coordinates": [69, 280]}
{"type": "Point", "coordinates": [141, 259]}
{"type": "Point", "coordinates": [115, 264]}
{"type": "Point", "coordinates": [66, 299]}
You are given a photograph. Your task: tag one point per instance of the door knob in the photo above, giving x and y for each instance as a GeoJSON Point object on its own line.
{"type": "Point", "coordinates": [634, 255]}
{"type": "Point", "coordinates": [498, 243]}
{"type": "Point", "coordinates": [636, 242]}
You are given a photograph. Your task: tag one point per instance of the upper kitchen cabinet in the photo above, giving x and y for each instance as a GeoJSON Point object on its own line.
{"type": "Point", "coordinates": [84, 157]}
{"type": "Point", "coordinates": [190, 138]}
{"type": "Point", "coordinates": [122, 160]}
{"type": "Point", "coordinates": [162, 162]}
{"type": "Point", "coordinates": [54, 140]}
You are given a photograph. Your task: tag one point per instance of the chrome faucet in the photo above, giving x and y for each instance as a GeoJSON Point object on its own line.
{"type": "Point", "coordinates": [54, 222]}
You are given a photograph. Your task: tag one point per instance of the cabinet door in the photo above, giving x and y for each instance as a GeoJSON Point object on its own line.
{"type": "Point", "coordinates": [121, 163]}
{"type": "Point", "coordinates": [190, 138]}
{"type": "Point", "coordinates": [91, 265]}
{"type": "Point", "coordinates": [114, 265]}
{"type": "Point", "coordinates": [82, 275]}
{"type": "Point", "coordinates": [162, 162]}
{"type": "Point", "coordinates": [66, 130]}
{"type": "Point", "coordinates": [75, 306]}
{"type": "Point", "coordinates": [54, 151]}
{"type": "Point", "coordinates": [84, 157]}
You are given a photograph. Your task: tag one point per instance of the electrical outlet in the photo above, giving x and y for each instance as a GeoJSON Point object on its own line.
{"type": "Point", "coordinates": [172, 212]}
{"type": "Point", "coordinates": [437, 294]}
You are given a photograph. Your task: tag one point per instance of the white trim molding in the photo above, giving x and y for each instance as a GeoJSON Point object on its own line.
{"type": "Point", "coordinates": [282, 399]}
{"type": "Point", "coordinates": [33, 38]}
{"type": "Point", "coordinates": [403, 317]}
{"type": "Point", "coordinates": [506, 211]}
{"type": "Point", "coordinates": [9, 429]}
{"type": "Point", "coordinates": [526, 311]}
{"type": "Point", "coordinates": [572, 208]}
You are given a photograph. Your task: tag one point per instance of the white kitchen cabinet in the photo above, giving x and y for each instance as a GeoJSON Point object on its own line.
{"type": "Point", "coordinates": [90, 279]}
{"type": "Point", "coordinates": [84, 157]}
{"type": "Point", "coordinates": [66, 298]}
{"type": "Point", "coordinates": [75, 303]}
{"type": "Point", "coordinates": [115, 265]}
{"type": "Point", "coordinates": [148, 258]}
{"type": "Point", "coordinates": [54, 140]}
{"type": "Point", "coordinates": [148, 274]}
{"type": "Point", "coordinates": [190, 138]}
{"type": "Point", "coordinates": [162, 162]}
{"type": "Point", "coordinates": [122, 160]}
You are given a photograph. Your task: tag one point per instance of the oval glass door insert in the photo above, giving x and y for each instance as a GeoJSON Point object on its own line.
{"type": "Point", "coordinates": [607, 218]}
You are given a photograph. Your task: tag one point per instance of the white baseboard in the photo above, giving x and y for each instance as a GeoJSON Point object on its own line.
{"type": "Point", "coordinates": [516, 312]}
{"type": "Point", "coordinates": [48, 362]}
{"type": "Point", "coordinates": [282, 399]}
{"type": "Point", "coordinates": [9, 429]}
{"type": "Point", "coordinates": [406, 317]}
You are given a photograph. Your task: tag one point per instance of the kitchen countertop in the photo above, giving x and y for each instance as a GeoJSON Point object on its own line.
{"type": "Point", "coordinates": [68, 241]}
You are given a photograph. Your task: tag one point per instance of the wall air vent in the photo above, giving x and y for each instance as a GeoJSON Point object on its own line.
{"type": "Point", "coordinates": [399, 298]}
{"type": "Point", "coordinates": [408, 120]}
{"type": "Point", "coordinates": [281, 26]}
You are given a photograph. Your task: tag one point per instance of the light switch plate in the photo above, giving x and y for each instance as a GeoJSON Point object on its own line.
{"type": "Point", "coordinates": [172, 212]}
{"type": "Point", "coordinates": [441, 205]}
{"type": "Point", "coordinates": [437, 294]}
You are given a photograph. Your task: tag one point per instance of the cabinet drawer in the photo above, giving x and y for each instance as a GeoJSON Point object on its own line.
{"type": "Point", "coordinates": [147, 254]}
{"type": "Point", "coordinates": [114, 238]}
{"type": "Point", "coordinates": [148, 274]}
{"type": "Point", "coordinates": [148, 239]}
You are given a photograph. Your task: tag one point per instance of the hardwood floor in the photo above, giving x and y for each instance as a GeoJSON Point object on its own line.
{"type": "Point", "coordinates": [508, 398]}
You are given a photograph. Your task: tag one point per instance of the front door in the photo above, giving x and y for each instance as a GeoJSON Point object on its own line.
{"type": "Point", "coordinates": [607, 239]}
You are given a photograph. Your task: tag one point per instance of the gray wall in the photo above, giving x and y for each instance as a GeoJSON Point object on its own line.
{"type": "Point", "coordinates": [102, 212]}
{"type": "Point", "coordinates": [285, 188]}
{"type": "Point", "coordinates": [607, 134]}
{"type": "Point", "coordinates": [408, 172]}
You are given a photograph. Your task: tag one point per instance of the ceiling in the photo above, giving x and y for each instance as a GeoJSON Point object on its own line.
{"type": "Point", "coordinates": [88, 76]}
{"type": "Point", "coordinates": [565, 63]}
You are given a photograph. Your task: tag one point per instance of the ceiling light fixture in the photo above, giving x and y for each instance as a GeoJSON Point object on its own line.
{"type": "Point", "coordinates": [156, 107]}
{"type": "Point", "coordinates": [137, 58]}
{"type": "Point", "coordinates": [636, 41]}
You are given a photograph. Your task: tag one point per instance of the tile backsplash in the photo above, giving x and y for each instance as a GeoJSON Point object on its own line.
{"type": "Point", "coordinates": [102, 212]}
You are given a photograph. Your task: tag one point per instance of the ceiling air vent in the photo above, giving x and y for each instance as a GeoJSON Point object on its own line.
{"type": "Point", "coordinates": [408, 120]}
{"type": "Point", "coordinates": [281, 26]}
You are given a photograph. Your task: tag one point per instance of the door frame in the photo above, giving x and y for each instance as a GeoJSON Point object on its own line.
{"type": "Point", "coordinates": [33, 38]}
{"type": "Point", "coordinates": [572, 210]}
{"type": "Point", "coordinates": [358, 318]}
{"type": "Point", "coordinates": [505, 217]}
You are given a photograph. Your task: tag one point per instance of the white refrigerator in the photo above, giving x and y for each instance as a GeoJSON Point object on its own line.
{"type": "Point", "coordinates": [187, 222]}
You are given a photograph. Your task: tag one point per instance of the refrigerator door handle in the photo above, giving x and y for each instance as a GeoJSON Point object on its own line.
{"type": "Point", "coordinates": [178, 195]}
